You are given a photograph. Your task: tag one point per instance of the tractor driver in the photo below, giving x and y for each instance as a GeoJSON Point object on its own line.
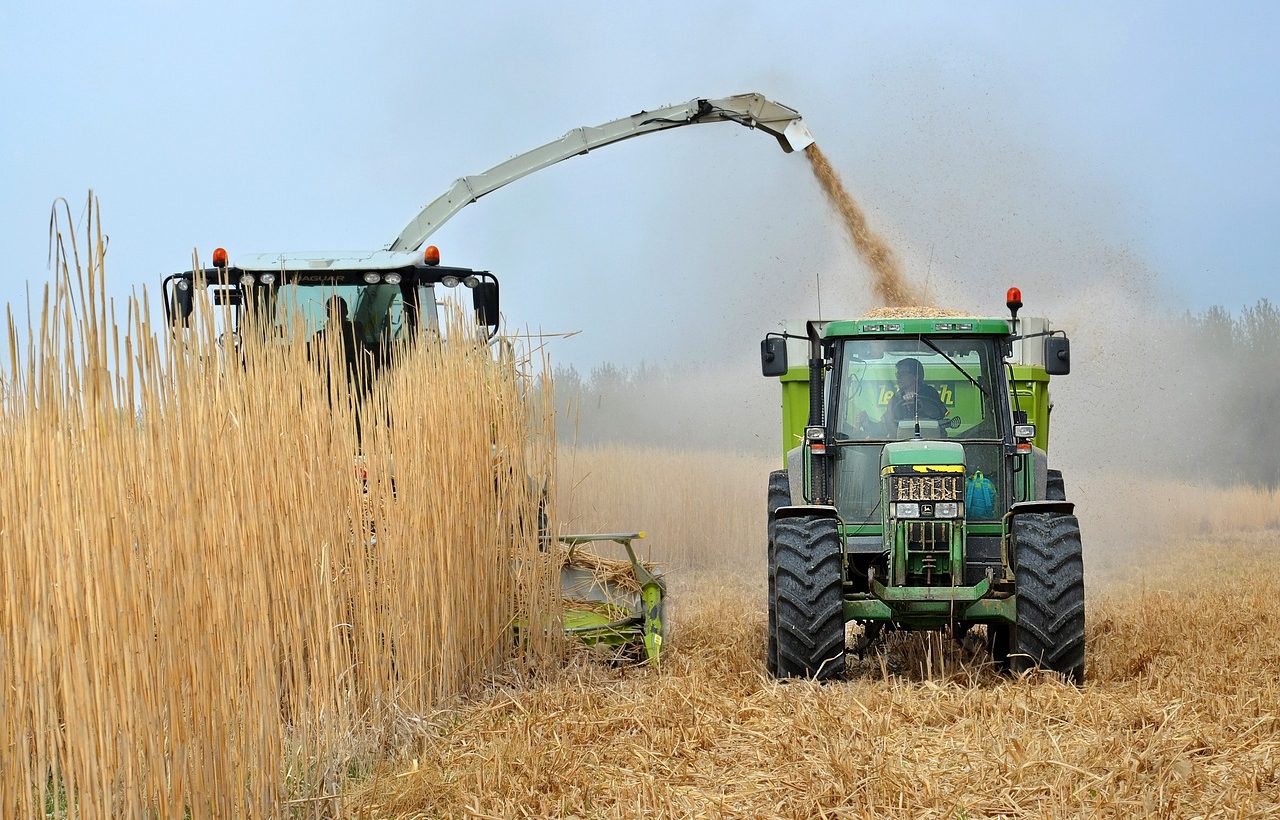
{"type": "Point", "coordinates": [913, 399]}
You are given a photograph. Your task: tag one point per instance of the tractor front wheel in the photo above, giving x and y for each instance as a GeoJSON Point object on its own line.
{"type": "Point", "coordinates": [808, 597]}
{"type": "Point", "coordinates": [1049, 573]}
{"type": "Point", "coordinates": [779, 496]}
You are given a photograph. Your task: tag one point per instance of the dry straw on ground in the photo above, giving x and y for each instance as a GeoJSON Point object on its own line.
{"type": "Point", "coordinates": [204, 609]}
{"type": "Point", "coordinates": [915, 312]}
{"type": "Point", "coordinates": [1178, 719]}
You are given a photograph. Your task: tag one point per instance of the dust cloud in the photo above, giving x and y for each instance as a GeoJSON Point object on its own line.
{"type": "Point", "coordinates": [888, 281]}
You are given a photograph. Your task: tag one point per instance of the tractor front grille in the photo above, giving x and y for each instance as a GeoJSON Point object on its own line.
{"type": "Point", "coordinates": [948, 487]}
{"type": "Point", "coordinates": [928, 536]}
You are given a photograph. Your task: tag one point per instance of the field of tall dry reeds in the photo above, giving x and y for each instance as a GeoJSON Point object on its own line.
{"type": "Point", "coordinates": [213, 600]}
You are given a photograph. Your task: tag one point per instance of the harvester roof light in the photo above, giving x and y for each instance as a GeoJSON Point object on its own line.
{"type": "Point", "coordinates": [1013, 299]}
{"type": "Point", "coordinates": [246, 281]}
{"type": "Point", "coordinates": [183, 284]}
{"type": "Point", "coordinates": [391, 278]}
{"type": "Point", "coordinates": [219, 257]}
{"type": "Point", "coordinates": [450, 281]}
{"type": "Point", "coordinates": [471, 281]}
{"type": "Point", "coordinates": [431, 256]}
{"type": "Point", "coordinates": [267, 278]}
{"type": "Point", "coordinates": [372, 278]}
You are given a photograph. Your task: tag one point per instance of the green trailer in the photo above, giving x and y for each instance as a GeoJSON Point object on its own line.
{"type": "Point", "coordinates": [916, 491]}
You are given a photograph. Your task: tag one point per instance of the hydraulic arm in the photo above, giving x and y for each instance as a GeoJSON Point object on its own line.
{"type": "Point", "coordinates": [751, 110]}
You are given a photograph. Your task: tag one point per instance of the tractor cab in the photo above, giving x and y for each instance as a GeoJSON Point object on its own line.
{"type": "Point", "coordinates": [386, 296]}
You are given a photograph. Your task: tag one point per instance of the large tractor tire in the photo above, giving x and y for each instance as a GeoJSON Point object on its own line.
{"type": "Point", "coordinates": [1055, 489]}
{"type": "Point", "coordinates": [808, 597]}
{"type": "Point", "coordinates": [1049, 574]}
{"type": "Point", "coordinates": [779, 496]}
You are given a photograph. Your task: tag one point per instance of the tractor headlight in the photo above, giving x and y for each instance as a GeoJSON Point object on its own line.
{"type": "Point", "coordinates": [907, 510]}
{"type": "Point", "coordinates": [946, 509]}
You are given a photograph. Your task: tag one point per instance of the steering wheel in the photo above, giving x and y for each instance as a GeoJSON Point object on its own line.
{"type": "Point", "coordinates": [905, 407]}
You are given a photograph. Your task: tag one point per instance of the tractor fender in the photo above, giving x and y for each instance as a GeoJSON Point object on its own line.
{"type": "Point", "coordinates": [799, 510]}
{"type": "Point", "coordinates": [1040, 471]}
{"type": "Point", "coordinates": [795, 472]}
{"type": "Point", "coordinates": [1033, 507]}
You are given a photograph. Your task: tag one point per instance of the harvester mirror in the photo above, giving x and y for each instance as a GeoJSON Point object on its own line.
{"type": "Point", "coordinates": [1057, 355]}
{"type": "Point", "coordinates": [773, 356]}
{"type": "Point", "coordinates": [484, 297]}
{"type": "Point", "coordinates": [183, 303]}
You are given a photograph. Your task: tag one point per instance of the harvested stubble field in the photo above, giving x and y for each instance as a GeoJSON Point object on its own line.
{"type": "Point", "coordinates": [1179, 718]}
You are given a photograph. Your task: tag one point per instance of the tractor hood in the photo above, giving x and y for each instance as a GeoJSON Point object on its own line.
{"type": "Point", "coordinates": [917, 452]}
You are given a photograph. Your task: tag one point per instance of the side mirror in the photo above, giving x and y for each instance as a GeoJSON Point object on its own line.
{"type": "Point", "coordinates": [183, 303]}
{"type": "Point", "coordinates": [484, 297]}
{"type": "Point", "coordinates": [773, 356]}
{"type": "Point", "coordinates": [1057, 355]}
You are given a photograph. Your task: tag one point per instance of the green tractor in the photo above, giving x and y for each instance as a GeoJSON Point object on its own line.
{"type": "Point", "coordinates": [917, 492]}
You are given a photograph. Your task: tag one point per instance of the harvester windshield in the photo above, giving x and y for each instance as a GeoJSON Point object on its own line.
{"type": "Point", "coordinates": [378, 312]}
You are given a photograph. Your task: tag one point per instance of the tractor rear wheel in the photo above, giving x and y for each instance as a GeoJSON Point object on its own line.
{"type": "Point", "coordinates": [779, 496]}
{"type": "Point", "coordinates": [1049, 573]}
{"type": "Point", "coordinates": [1055, 490]}
{"type": "Point", "coordinates": [808, 598]}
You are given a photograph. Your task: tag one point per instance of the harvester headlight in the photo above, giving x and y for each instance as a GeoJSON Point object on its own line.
{"type": "Point", "coordinates": [372, 278]}
{"type": "Point", "coordinates": [471, 281]}
{"type": "Point", "coordinates": [907, 510]}
{"type": "Point", "coordinates": [947, 509]}
{"type": "Point", "coordinates": [267, 278]}
{"type": "Point", "coordinates": [450, 281]}
{"type": "Point", "coordinates": [246, 281]}
{"type": "Point", "coordinates": [392, 278]}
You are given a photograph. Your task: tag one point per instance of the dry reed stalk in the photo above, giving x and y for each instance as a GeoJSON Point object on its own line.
{"type": "Point", "coordinates": [195, 619]}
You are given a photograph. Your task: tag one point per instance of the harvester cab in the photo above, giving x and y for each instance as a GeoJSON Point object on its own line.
{"type": "Point", "coordinates": [917, 492]}
{"type": "Point", "coordinates": [389, 296]}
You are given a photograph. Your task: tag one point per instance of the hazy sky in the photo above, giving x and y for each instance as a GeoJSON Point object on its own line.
{"type": "Point", "coordinates": [1063, 147]}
